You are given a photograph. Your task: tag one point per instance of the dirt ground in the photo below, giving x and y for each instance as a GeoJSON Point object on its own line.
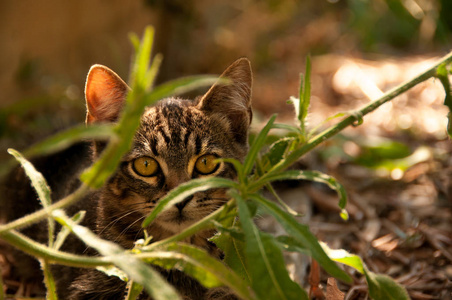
{"type": "Point", "coordinates": [400, 220]}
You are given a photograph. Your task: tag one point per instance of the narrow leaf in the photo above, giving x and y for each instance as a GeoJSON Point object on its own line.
{"type": "Point", "coordinates": [269, 277]}
{"type": "Point", "coordinates": [305, 96]}
{"type": "Point", "coordinates": [137, 270]}
{"type": "Point", "coordinates": [344, 257]}
{"type": "Point", "coordinates": [64, 232]}
{"type": "Point", "coordinates": [234, 254]}
{"type": "Point", "coordinates": [134, 290]}
{"type": "Point", "coordinates": [183, 191]}
{"type": "Point", "coordinates": [197, 263]}
{"type": "Point", "coordinates": [257, 145]}
{"type": "Point", "coordinates": [276, 153]}
{"type": "Point", "coordinates": [179, 86]}
{"type": "Point", "coordinates": [39, 183]}
{"type": "Point", "coordinates": [443, 76]}
{"type": "Point", "coordinates": [49, 281]}
{"type": "Point", "coordinates": [312, 176]}
{"type": "Point", "coordinates": [66, 138]}
{"type": "Point", "coordinates": [303, 235]}
{"type": "Point", "coordinates": [142, 60]}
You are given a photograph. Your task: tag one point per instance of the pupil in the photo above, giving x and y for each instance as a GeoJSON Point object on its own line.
{"type": "Point", "coordinates": [146, 163]}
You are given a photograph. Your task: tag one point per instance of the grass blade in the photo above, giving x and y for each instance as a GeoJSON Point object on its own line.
{"type": "Point", "coordinates": [39, 183]}
{"type": "Point", "coordinates": [304, 236]}
{"type": "Point", "coordinates": [134, 290]}
{"type": "Point", "coordinates": [49, 281]}
{"type": "Point", "coordinates": [199, 264]}
{"type": "Point", "coordinates": [269, 277]}
{"type": "Point", "coordinates": [64, 232]}
{"type": "Point", "coordinates": [305, 96]}
{"type": "Point", "coordinates": [257, 145]}
{"type": "Point", "coordinates": [137, 270]}
{"type": "Point", "coordinates": [142, 60]}
{"type": "Point", "coordinates": [381, 287]}
{"type": "Point", "coordinates": [183, 191]}
{"type": "Point", "coordinates": [312, 176]}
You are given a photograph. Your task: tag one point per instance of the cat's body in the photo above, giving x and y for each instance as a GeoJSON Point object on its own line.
{"type": "Point", "coordinates": [177, 140]}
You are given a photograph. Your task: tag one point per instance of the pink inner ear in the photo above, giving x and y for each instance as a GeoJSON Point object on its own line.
{"type": "Point", "coordinates": [105, 94]}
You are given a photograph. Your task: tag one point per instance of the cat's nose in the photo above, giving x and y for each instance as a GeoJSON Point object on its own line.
{"type": "Point", "coordinates": [180, 206]}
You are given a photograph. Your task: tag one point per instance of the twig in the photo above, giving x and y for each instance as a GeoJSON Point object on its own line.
{"type": "Point", "coordinates": [353, 117]}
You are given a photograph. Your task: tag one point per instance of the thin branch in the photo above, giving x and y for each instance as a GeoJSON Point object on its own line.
{"type": "Point", "coordinates": [42, 213]}
{"type": "Point", "coordinates": [352, 118]}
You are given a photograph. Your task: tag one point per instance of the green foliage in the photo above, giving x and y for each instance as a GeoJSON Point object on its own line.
{"type": "Point", "coordinates": [380, 286]}
{"type": "Point", "coordinates": [254, 266]}
{"type": "Point", "coordinates": [443, 75]}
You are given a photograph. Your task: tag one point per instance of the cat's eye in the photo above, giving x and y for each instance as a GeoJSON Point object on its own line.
{"type": "Point", "coordinates": [207, 164]}
{"type": "Point", "coordinates": [145, 166]}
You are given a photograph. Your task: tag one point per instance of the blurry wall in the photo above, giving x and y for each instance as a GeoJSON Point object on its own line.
{"type": "Point", "coordinates": [45, 38]}
{"type": "Point", "coordinates": [47, 47]}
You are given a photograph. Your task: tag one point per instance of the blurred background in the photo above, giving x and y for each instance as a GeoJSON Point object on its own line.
{"type": "Point", "coordinates": [396, 167]}
{"type": "Point", "coordinates": [48, 47]}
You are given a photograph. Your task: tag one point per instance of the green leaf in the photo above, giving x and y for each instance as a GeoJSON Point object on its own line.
{"type": "Point", "coordinates": [289, 243]}
{"type": "Point", "coordinates": [257, 145]}
{"type": "Point", "coordinates": [443, 76]}
{"type": "Point", "coordinates": [64, 232]}
{"type": "Point", "coordinates": [183, 191]}
{"type": "Point", "coordinates": [180, 86]}
{"type": "Point", "coordinates": [135, 269]}
{"type": "Point", "coordinates": [237, 166]}
{"type": "Point", "coordinates": [269, 276]}
{"type": "Point", "coordinates": [234, 254]}
{"type": "Point", "coordinates": [276, 153]}
{"type": "Point", "coordinates": [37, 180]}
{"type": "Point", "coordinates": [318, 126]}
{"type": "Point", "coordinates": [199, 264]}
{"type": "Point", "coordinates": [383, 287]}
{"type": "Point", "coordinates": [305, 96]}
{"type": "Point", "coordinates": [142, 60]}
{"type": "Point", "coordinates": [49, 281]}
{"type": "Point", "coordinates": [312, 176]}
{"type": "Point", "coordinates": [63, 140]}
{"type": "Point", "coordinates": [39, 183]}
{"type": "Point", "coordinates": [66, 138]}
{"type": "Point", "coordinates": [303, 235]}
{"type": "Point", "coordinates": [344, 257]}
{"type": "Point", "coordinates": [134, 290]}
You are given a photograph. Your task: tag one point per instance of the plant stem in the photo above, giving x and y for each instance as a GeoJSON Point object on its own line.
{"type": "Point", "coordinates": [40, 214]}
{"type": "Point", "coordinates": [33, 248]}
{"type": "Point", "coordinates": [355, 116]}
{"type": "Point", "coordinates": [204, 223]}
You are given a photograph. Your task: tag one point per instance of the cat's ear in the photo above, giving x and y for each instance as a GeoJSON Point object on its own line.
{"type": "Point", "coordinates": [105, 94]}
{"type": "Point", "coordinates": [233, 98]}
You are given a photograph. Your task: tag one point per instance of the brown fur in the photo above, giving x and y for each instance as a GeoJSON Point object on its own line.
{"type": "Point", "coordinates": [175, 132]}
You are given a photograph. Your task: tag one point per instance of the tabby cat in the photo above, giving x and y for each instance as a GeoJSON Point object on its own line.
{"type": "Point", "coordinates": [177, 140]}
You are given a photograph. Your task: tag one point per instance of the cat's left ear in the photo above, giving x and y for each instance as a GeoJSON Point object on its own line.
{"type": "Point", "coordinates": [105, 94]}
{"type": "Point", "coordinates": [232, 99]}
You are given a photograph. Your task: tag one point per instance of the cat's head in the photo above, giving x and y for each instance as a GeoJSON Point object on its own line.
{"type": "Point", "coordinates": [177, 140]}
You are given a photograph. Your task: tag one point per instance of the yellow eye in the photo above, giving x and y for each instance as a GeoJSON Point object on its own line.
{"type": "Point", "coordinates": [145, 166]}
{"type": "Point", "coordinates": [206, 164]}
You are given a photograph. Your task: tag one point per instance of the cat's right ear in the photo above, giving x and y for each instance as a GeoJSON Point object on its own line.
{"type": "Point", "coordinates": [232, 100]}
{"type": "Point", "coordinates": [105, 94]}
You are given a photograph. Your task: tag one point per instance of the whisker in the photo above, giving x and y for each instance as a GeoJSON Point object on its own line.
{"type": "Point", "coordinates": [127, 228]}
{"type": "Point", "coordinates": [116, 220]}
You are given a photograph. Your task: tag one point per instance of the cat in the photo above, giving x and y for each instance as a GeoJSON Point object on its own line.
{"type": "Point", "coordinates": [177, 140]}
